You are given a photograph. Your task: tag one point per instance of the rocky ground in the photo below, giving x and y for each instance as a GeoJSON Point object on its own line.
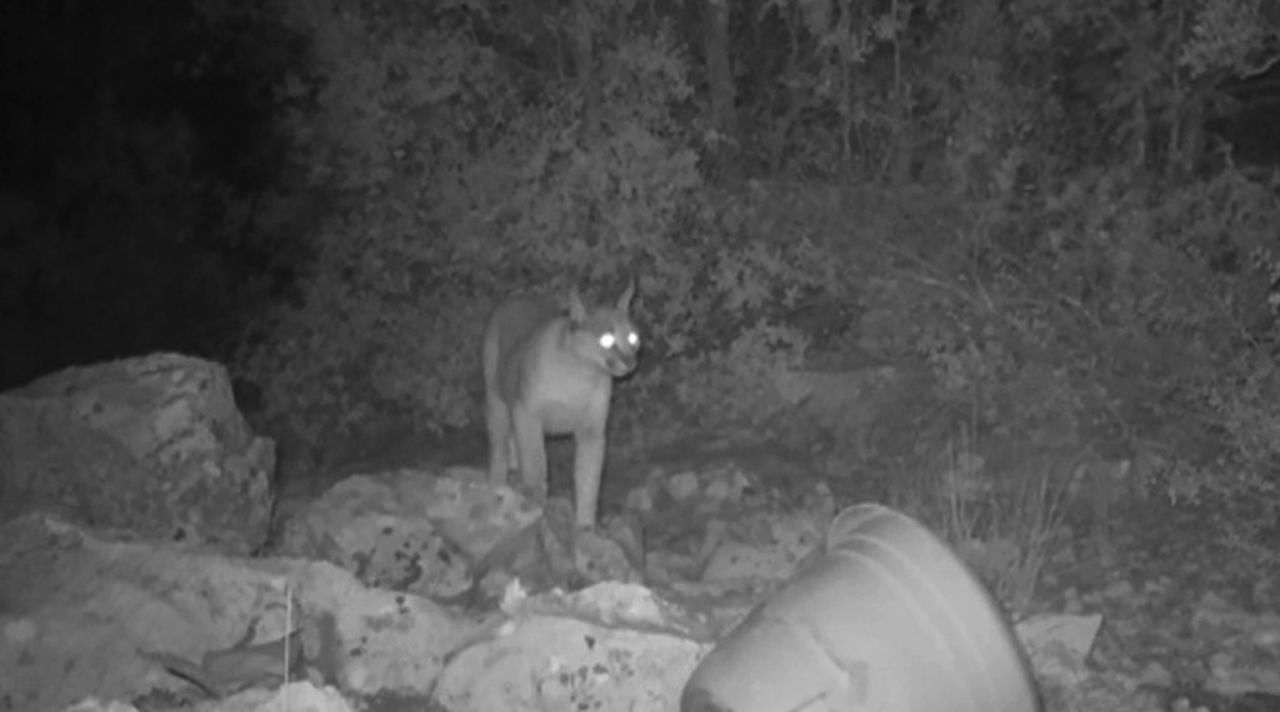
{"type": "Point", "coordinates": [1191, 617]}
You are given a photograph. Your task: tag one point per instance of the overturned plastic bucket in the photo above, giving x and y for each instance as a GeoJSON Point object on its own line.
{"type": "Point", "coordinates": [886, 620]}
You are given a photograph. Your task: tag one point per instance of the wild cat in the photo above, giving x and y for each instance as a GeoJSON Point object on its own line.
{"type": "Point", "coordinates": [549, 370]}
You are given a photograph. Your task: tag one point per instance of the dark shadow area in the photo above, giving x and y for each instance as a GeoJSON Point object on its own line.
{"type": "Point", "coordinates": [137, 141]}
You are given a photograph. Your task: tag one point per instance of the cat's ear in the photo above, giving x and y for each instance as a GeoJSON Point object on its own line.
{"type": "Point", "coordinates": [577, 310]}
{"type": "Point", "coordinates": [624, 302]}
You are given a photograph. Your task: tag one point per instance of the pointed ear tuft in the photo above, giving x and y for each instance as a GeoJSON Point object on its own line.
{"type": "Point", "coordinates": [577, 310]}
{"type": "Point", "coordinates": [624, 302]}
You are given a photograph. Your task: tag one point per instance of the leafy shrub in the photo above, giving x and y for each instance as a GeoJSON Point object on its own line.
{"type": "Point", "coordinates": [1111, 304]}
{"type": "Point", "coordinates": [373, 330]}
{"type": "Point", "coordinates": [390, 309]}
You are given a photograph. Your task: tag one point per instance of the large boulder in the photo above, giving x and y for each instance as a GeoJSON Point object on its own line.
{"type": "Point", "coordinates": [152, 446]}
{"type": "Point", "coordinates": [158, 625]}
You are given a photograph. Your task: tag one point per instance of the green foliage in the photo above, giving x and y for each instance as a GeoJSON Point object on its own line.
{"type": "Point", "coordinates": [1061, 279]}
{"type": "Point", "coordinates": [1013, 203]}
{"type": "Point", "coordinates": [1153, 303]}
{"type": "Point", "coordinates": [448, 214]}
{"type": "Point", "coordinates": [738, 383]}
{"type": "Point", "coordinates": [384, 325]}
{"type": "Point", "coordinates": [1228, 36]}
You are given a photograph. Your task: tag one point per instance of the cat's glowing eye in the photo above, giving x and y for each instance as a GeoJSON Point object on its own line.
{"type": "Point", "coordinates": [633, 338]}
{"type": "Point", "coordinates": [607, 341]}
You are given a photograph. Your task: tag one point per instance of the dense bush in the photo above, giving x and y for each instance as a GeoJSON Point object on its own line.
{"type": "Point", "coordinates": [1062, 280]}
{"type": "Point", "coordinates": [463, 189]}
{"type": "Point", "coordinates": [1015, 205]}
